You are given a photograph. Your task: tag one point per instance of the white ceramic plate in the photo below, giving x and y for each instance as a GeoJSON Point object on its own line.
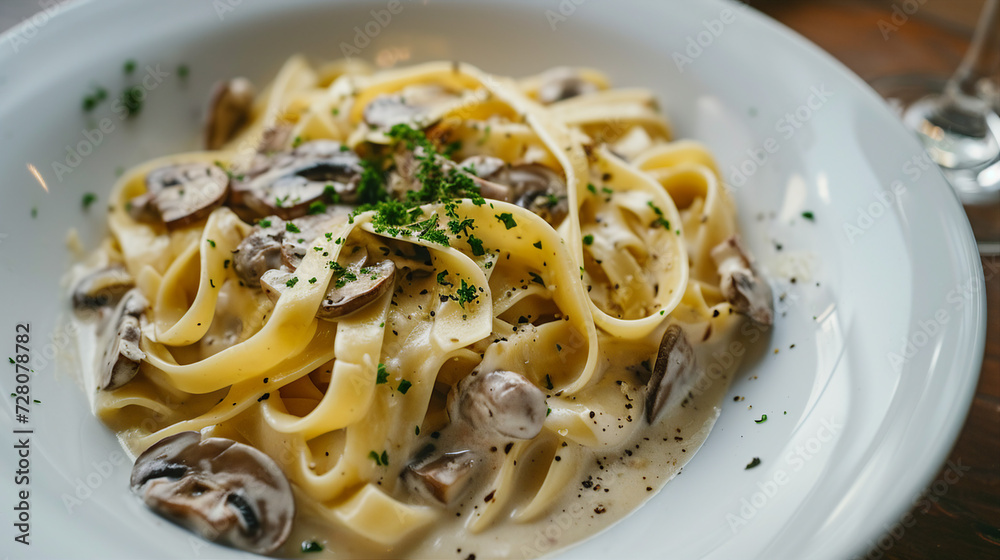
{"type": "Point", "coordinates": [864, 431]}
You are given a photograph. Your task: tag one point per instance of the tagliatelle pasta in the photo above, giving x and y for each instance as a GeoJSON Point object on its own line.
{"type": "Point", "coordinates": [457, 249]}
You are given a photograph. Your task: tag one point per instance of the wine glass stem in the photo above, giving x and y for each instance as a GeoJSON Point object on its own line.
{"type": "Point", "coordinates": [966, 102]}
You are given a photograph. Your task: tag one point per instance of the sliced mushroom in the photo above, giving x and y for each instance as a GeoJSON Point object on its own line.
{"type": "Point", "coordinates": [674, 372]}
{"type": "Point", "coordinates": [228, 109]}
{"type": "Point", "coordinates": [562, 83]}
{"type": "Point", "coordinates": [410, 106]}
{"type": "Point", "coordinates": [260, 251]}
{"type": "Point", "coordinates": [482, 167]}
{"type": "Point", "coordinates": [531, 186]}
{"type": "Point", "coordinates": [123, 355]}
{"type": "Point", "coordinates": [288, 183]}
{"type": "Point", "coordinates": [225, 491]}
{"type": "Point", "coordinates": [296, 245]}
{"type": "Point", "coordinates": [499, 402]}
{"type": "Point", "coordinates": [182, 194]}
{"type": "Point", "coordinates": [101, 288]}
{"type": "Point", "coordinates": [442, 478]}
{"type": "Point", "coordinates": [741, 284]}
{"type": "Point", "coordinates": [345, 295]}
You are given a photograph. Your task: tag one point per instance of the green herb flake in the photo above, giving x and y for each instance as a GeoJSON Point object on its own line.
{"type": "Point", "coordinates": [588, 239]}
{"type": "Point", "coordinates": [466, 294]}
{"type": "Point", "coordinates": [129, 66]}
{"type": "Point", "coordinates": [416, 430]}
{"type": "Point", "coordinates": [809, 216]}
{"type": "Point", "coordinates": [537, 244]}
{"type": "Point", "coordinates": [385, 458]}
{"type": "Point", "coordinates": [536, 279]}
{"type": "Point", "coordinates": [763, 418]}
{"type": "Point", "coordinates": [752, 464]}
{"type": "Point", "coordinates": [375, 457]}
{"type": "Point", "coordinates": [317, 207]}
{"type": "Point", "coordinates": [211, 242]}
{"type": "Point", "coordinates": [312, 280]}
{"type": "Point", "coordinates": [183, 71]}
{"type": "Point", "coordinates": [507, 218]}
{"type": "Point", "coordinates": [289, 226]}
{"type": "Point", "coordinates": [34, 212]}
{"type": "Point", "coordinates": [382, 376]}
{"type": "Point", "coordinates": [312, 546]}
{"type": "Point", "coordinates": [264, 223]}
{"type": "Point", "coordinates": [404, 386]}
{"type": "Point", "coordinates": [477, 246]}
{"type": "Point", "coordinates": [88, 199]}
{"type": "Point", "coordinates": [548, 382]}
{"type": "Point", "coordinates": [660, 220]}
{"type": "Point", "coordinates": [292, 282]}
{"type": "Point", "coordinates": [591, 188]}
{"type": "Point", "coordinates": [547, 412]}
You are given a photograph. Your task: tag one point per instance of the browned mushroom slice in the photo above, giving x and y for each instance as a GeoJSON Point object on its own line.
{"type": "Point", "coordinates": [297, 244]}
{"type": "Point", "coordinates": [441, 478]}
{"type": "Point", "coordinates": [225, 491]}
{"type": "Point", "coordinates": [531, 186]}
{"type": "Point", "coordinates": [500, 402]}
{"type": "Point", "coordinates": [291, 182]}
{"type": "Point", "coordinates": [562, 83]}
{"type": "Point", "coordinates": [353, 290]}
{"type": "Point", "coordinates": [741, 284]}
{"type": "Point", "coordinates": [182, 194]}
{"type": "Point", "coordinates": [674, 372]}
{"type": "Point", "coordinates": [410, 106]}
{"type": "Point", "coordinates": [260, 251]}
{"type": "Point", "coordinates": [228, 109]}
{"type": "Point", "coordinates": [101, 288]}
{"type": "Point", "coordinates": [123, 355]}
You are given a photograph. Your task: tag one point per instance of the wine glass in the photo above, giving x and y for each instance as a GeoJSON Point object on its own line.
{"type": "Point", "coordinates": [958, 122]}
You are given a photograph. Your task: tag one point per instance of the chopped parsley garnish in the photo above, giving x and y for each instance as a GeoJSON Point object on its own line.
{"type": "Point", "coordinates": [752, 464]}
{"type": "Point", "coordinates": [591, 188]}
{"type": "Point", "coordinates": [537, 244]}
{"type": "Point", "coordinates": [467, 293]}
{"type": "Point", "coordinates": [183, 71]}
{"type": "Point", "coordinates": [317, 207]}
{"type": "Point", "coordinates": [297, 141]}
{"type": "Point", "coordinates": [129, 66]}
{"type": "Point", "coordinates": [548, 382]}
{"type": "Point", "coordinates": [210, 242]}
{"type": "Point", "coordinates": [588, 239]}
{"type": "Point", "coordinates": [34, 212]}
{"type": "Point", "coordinates": [547, 412]}
{"type": "Point", "coordinates": [404, 386]}
{"type": "Point", "coordinates": [312, 546]}
{"type": "Point", "coordinates": [344, 278]}
{"type": "Point", "coordinates": [477, 246]}
{"type": "Point", "coordinates": [441, 278]}
{"type": "Point", "coordinates": [132, 99]}
{"type": "Point", "coordinates": [264, 223]}
{"type": "Point", "coordinates": [331, 194]}
{"type": "Point", "coordinates": [335, 111]}
{"type": "Point", "coordinates": [507, 219]}
{"type": "Point", "coordinates": [536, 279]}
{"type": "Point", "coordinates": [659, 221]}
{"type": "Point", "coordinates": [88, 199]}
{"type": "Point", "coordinates": [289, 226]}
{"type": "Point", "coordinates": [809, 216]}
{"type": "Point", "coordinates": [380, 460]}
{"type": "Point", "coordinates": [312, 280]}
{"type": "Point", "coordinates": [763, 418]}
{"type": "Point", "coordinates": [381, 376]}
{"type": "Point", "coordinates": [292, 281]}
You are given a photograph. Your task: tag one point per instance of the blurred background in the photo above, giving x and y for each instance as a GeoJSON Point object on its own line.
{"type": "Point", "coordinates": [882, 40]}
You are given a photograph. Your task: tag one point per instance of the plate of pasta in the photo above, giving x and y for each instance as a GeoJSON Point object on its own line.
{"type": "Point", "coordinates": [468, 280]}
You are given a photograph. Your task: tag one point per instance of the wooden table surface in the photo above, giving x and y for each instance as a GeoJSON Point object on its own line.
{"type": "Point", "coordinates": [963, 523]}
